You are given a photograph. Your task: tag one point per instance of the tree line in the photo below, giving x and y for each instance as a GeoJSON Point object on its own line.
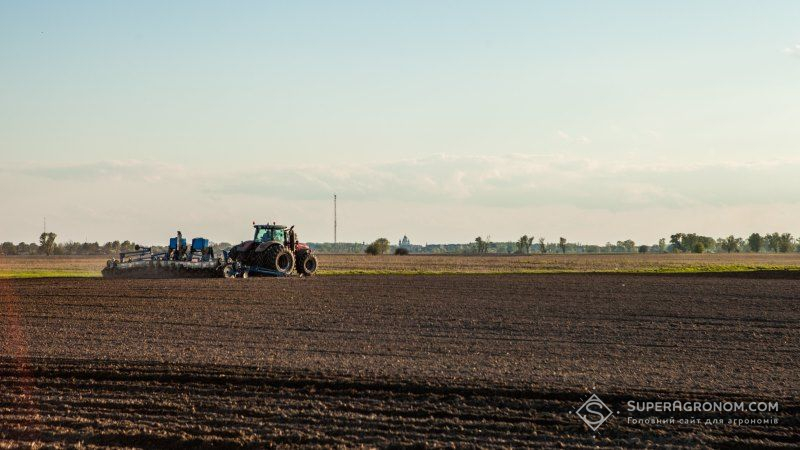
{"type": "Point", "coordinates": [677, 243]}
{"type": "Point", "coordinates": [48, 246]}
{"type": "Point", "coordinates": [770, 242]}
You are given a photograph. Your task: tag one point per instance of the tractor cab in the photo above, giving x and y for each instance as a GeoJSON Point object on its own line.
{"type": "Point", "coordinates": [266, 233]}
{"type": "Point", "coordinates": [278, 233]}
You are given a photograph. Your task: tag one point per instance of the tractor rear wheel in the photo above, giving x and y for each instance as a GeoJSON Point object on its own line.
{"type": "Point", "coordinates": [306, 263]}
{"type": "Point", "coordinates": [277, 258]}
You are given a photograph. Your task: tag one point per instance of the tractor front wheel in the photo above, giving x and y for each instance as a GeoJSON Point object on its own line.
{"type": "Point", "coordinates": [306, 263]}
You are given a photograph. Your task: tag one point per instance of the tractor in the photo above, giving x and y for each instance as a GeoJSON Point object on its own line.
{"type": "Point", "coordinates": [274, 250]}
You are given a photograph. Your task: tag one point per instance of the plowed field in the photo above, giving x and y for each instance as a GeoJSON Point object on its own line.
{"type": "Point", "coordinates": [484, 360]}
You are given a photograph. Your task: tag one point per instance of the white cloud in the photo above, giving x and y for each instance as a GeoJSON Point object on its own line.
{"type": "Point", "coordinates": [514, 180]}
{"type": "Point", "coordinates": [114, 170]}
{"type": "Point", "coordinates": [653, 134]}
{"type": "Point", "coordinates": [793, 50]}
{"type": "Point", "coordinates": [144, 200]}
{"type": "Point", "coordinates": [566, 137]}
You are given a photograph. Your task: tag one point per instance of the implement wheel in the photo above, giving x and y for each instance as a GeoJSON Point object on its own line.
{"type": "Point", "coordinates": [229, 271]}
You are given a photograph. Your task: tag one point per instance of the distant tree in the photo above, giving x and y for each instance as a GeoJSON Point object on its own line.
{"type": "Point", "coordinates": [521, 244]}
{"type": "Point", "coordinates": [562, 244]}
{"type": "Point", "coordinates": [773, 242]}
{"type": "Point", "coordinates": [643, 249]}
{"type": "Point", "coordinates": [627, 245]}
{"type": "Point", "coordinates": [481, 245]}
{"type": "Point", "coordinates": [709, 243]}
{"type": "Point", "coordinates": [662, 245]}
{"type": "Point", "coordinates": [382, 244]}
{"type": "Point", "coordinates": [755, 242]}
{"type": "Point", "coordinates": [687, 242]}
{"type": "Point", "coordinates": [378, 247]}
{"type": "Point", "coordinates": [47, 243]}
{"type": "Point", "coordinates": [126, 246]}
{"type": "Point", "coordinates": [730, 244]}
{"type": "Point", "coordinates": [524, 244]}
{"type": "Point", "coordinates": [786, 243]}
{"type": "Point", "coordinates": [401, 251]}
{"type": "Point", "coordinates": [677, 242]}
{"type": "Point", "coordinates": [542, 246]}
{"type": "Point", "coordinates": [8, 248]}
{"type": "Point", "coordinates": [698, 247]}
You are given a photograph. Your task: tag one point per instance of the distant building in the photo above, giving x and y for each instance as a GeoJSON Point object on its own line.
{"type": "Point", "coordinates": [404, 243]}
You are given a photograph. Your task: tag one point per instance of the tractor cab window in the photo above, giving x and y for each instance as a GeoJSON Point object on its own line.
{"type": "Point", "coordinates": [263, 234]}
{"type": "Point", "coordinates": [267, 234]}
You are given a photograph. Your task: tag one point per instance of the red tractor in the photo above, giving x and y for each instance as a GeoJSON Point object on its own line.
{"type": "Point", "coordinates": [273, 251]}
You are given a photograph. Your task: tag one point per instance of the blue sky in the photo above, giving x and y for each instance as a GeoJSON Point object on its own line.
{"type": "Point", "coordinates": [441, 120]}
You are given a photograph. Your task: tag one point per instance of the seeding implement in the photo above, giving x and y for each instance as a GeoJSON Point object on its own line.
{"type": "Point", "coordinates": [273, 251]}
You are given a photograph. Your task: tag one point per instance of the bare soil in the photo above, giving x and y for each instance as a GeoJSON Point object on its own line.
{"type": "Point", "coordinates": [490, 361]}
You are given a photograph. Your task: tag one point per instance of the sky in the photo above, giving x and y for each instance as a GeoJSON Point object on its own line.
{"type": "Point", "coordinates": [445, 120]}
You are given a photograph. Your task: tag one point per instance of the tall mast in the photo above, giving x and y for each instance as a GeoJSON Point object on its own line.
{"type": "Point", "coordinates": [334, 218]}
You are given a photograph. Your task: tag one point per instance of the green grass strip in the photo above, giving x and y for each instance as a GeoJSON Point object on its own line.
{"type": "Point", "coordinates": [47, 273]}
